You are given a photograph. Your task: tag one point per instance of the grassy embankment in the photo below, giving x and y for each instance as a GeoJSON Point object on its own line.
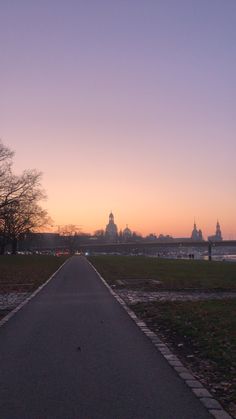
{"type": "Point", "coordinates": [25, 273]}
{"type": "Point", "coordinates": [173, 274]}
{"type": "Point", "coordinates": [201, 333]}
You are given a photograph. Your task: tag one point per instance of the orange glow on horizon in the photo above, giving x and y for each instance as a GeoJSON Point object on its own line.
{"type": "Point", "coordinates": [140, 122]}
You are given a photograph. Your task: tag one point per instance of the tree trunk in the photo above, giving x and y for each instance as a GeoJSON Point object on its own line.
{"type": "Point", "coordinates": [14, 246]}
{"type": "Point", "coordinates": [2, 248]}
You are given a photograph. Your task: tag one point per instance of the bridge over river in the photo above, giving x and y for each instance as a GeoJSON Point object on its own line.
{"type": "Point", "coordinates": [143, 246]}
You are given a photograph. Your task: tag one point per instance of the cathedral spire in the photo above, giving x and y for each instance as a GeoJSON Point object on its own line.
{"type": "Point", "coordinates": [218, 231]}
{"type": "Point", "coordinates": [218, 234]}
{"type": "Point", "coordinates": [111, 217]}
{"type": "Point", "coordinates": [111, 232]}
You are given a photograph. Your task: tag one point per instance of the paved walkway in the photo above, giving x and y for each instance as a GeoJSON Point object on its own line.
{"type": "Point", "coordinates": [72, 352]}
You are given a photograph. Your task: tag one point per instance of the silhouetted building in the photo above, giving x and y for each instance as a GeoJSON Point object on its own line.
{"type": "Point", "coordinates": [127, 234]}
{"type": "Point", "coordinates": [200, 237]}
{"type": "Point", "coordinates": [111, 233]}
{"type": "Point", "coordinates": [151, 237]}
{"type": "Point", "coordinates": [165, 238]}
{"type": "Point", "coordinates": [217, 237]}
{"type": "Point", "coordinates": [196, 234]}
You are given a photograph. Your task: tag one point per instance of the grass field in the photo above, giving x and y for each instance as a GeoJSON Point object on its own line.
{"type": "Point", "coordinates": [25, 273]}
{"type": "Point", "coordinates": [173, 274]}
{"type": "Point", "coordinates": [203, 333]}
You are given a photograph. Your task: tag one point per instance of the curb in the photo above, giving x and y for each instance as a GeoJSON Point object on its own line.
{"type": "Point", "coordinates": [34, 293]}
{"type": "Point", "coordinates": [205, 397]}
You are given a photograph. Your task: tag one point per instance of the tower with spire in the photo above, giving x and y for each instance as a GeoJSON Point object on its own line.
{"type": "Point", "coordinates": [218, 231]}
{"type": "Point", "coordinates": [196, 234]}
{"type": "Point", "coordinates": [217, 237]}
{"type": "Point", "coordinates": [111, 232]}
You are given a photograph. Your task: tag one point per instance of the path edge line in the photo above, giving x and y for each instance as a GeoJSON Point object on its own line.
{"type": "Point", "coordinates": [34, 293]}
{"type": "Point", "coordinates": [205, 397]}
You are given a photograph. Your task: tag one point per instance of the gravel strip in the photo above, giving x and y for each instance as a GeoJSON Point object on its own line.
{"type": "Point", "coordinates": [133, 297]}
{"type": "Point", "coordinates": [10, 300]}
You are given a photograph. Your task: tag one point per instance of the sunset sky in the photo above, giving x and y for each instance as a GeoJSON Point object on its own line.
{"type": "Point", "coordinates": [124, 105]}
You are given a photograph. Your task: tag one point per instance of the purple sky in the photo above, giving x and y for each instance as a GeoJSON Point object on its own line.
{"type": "Point", "coordinates": [127, 106]}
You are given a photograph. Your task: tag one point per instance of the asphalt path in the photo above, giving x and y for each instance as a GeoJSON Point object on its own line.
{"type": "Point", "coordinates": [73, 352]}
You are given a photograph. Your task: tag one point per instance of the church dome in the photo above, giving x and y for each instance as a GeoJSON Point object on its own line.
{"type": "Point", "coordinates": [127, 231]}
{"type": "Point", "coordinates": [127, 234]}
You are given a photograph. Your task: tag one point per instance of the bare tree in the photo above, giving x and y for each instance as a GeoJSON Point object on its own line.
{"type": "Point", "coordinates": [100, 235]}
{"type": "Point", "coordinates": [19, 218]}
{"type": "Point", "coordinates": [20, 196]}
{"type": "Point", "coordinates": [5, 154]}
{"type": "Point", "coordinates": [70, 233]}
{"type": "Point", "coordinates": [5, 168]}
{"type": "Point", "coordinates": [15, 188]}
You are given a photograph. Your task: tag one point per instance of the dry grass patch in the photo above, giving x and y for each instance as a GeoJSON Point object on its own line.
{"type": "Point", "coordinates": [25, 273]}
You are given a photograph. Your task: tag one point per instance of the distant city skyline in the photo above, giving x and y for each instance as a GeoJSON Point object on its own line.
{"type": "Point", "coordinates": [124, 106]}
{"type": "Point", "coordinates": [112, 231]}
